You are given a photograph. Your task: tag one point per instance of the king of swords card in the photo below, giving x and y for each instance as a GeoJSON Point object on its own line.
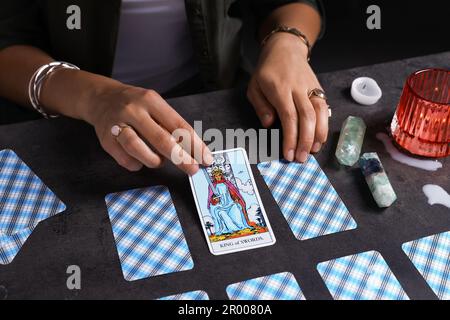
{"type": "Point", "coordinates": [230, 208]}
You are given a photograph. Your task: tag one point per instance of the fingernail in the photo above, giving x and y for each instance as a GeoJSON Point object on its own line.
{"type": "Point", "coordinates": [193, 170]}
{"type": "Point", "coordinates": [316, 147]}
{"type": "Point", "coordinates": [290, 155]}
{"type": "Point", "coordinates": [302, 156]}
{"type": "Point", "coordinates": [266, 119]}
{"type": "Point", "coordinates": [136, 167]}
{"type": "Point", "coordinates": [209, 159]}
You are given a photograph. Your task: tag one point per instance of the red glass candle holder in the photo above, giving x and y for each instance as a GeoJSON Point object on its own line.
{"type": "Point", "coordinates": [421, 124]}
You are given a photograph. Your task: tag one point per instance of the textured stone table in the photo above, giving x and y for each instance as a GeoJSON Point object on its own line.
{"type": "Point", "coordinates": [68, 158]}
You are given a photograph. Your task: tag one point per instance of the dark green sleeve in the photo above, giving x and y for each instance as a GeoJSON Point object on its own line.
{"type": "Point", "coordinates": [20, 24]}
{"type": "Point", "coordinates": [262, 8]}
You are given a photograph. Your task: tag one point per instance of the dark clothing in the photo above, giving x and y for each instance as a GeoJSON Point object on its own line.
{"type": "Point", "coordinates": [215, 27]}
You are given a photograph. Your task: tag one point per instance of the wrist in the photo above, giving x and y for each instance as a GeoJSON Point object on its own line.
{"type": "Point", "coordinates": [76, 93]}
{"type": "Point", "coordinates": [288, 42]}
{"type": "Point", "coordinates": [97, 97]}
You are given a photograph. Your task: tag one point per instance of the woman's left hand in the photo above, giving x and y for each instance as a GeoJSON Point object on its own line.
{"type": "Point", "coordinates": [280, 86]}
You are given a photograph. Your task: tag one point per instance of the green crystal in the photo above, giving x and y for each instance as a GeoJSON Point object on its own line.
{"type": "Point", "coordinates": [377, 179]}
{"type": "Point", "coordinates": [350, 141]}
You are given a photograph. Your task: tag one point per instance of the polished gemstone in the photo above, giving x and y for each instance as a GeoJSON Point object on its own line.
{"type": "Point", "coordinates": [350, 141]}
{"type": "Point", "coordinates": [377, 179]}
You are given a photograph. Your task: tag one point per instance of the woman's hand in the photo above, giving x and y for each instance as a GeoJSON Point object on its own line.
{"type": "Point", "coordinates": [279, 87]}
{"type": "Point", "coordinates": [104, 102]}
{"type": "Point", "coordinates": [148, 140]}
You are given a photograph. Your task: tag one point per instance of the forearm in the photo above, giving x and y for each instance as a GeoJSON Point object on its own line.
{"type": "Point", "coordinates": [297, 15]}
{"type": "Point", "coordinates": [64, 92]}
{"type": "Point", "coordinates": [18, 63]}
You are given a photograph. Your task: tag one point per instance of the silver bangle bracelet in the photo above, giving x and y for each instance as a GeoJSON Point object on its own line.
{"type": "Point", "coordinates": [37, 81]}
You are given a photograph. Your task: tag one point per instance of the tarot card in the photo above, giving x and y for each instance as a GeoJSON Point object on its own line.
{"type": "Point", "coordinates": [230, 208]}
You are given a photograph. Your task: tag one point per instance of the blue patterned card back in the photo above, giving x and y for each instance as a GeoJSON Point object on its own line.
{"type": "Point", "coordinates": [431, 256]}
{"type": "Point", "coordinates": [24, 201]}
{"type": "Point", "coordinates": [147, 232]}
{"type": "Point", "coordinates": [191, 295]}
{"type": "Point", "coordinates": [279, 286]}
{"type": "Point", "coordinates": [362, 276]}
{"type": "Point", "coordinates": [306, 198]}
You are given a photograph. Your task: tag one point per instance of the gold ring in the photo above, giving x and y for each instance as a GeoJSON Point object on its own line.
{"type": "Point", "coordinates": [117, 129]}
{"type": "Point", "coordinates": [319, 93]}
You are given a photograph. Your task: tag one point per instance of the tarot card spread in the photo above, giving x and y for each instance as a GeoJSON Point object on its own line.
{"type": "Point", "coordinates": [230, 208]}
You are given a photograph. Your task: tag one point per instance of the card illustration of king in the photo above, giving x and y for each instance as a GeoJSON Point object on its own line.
{"type": "Point", "coordinates": [226, 205]}
{"type": "Point", "coordinates": [227, 200]}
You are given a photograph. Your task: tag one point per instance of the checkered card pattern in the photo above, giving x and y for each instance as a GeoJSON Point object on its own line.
{"type": "Point", "coordinates": [280, 286]}
{"type": "Point", "coordinates": [431, 257]}
{"type": "Point", "coordinates": [306, 198]}
{"type": "Point", "coordinates": [147, 232]}
{"type": "Point", "coordinates": [362, 276]}
{"type": "Point", "coordinates": [24, 198]}
{"type": "Point", "coordinates": [11, 244]}
{"type": "Point", "coordinates": [191, 295]}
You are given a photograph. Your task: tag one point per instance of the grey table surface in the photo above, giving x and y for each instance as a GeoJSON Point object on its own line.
{"type": "Point", "coordinates": [66, 155]}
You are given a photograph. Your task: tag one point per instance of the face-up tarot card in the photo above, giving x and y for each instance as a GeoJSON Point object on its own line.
{"type": "Point", "coordinates": [230, 208]}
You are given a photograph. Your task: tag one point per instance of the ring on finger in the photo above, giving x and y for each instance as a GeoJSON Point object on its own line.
{"type": "Point", "coordinates": [117, 129]}
{"type": "Point", "coordinates": [328, 108]}
{"type": "Point", "coordinates": [317, 92]}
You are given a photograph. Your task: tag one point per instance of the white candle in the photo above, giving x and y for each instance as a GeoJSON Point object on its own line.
{"type": "Point", "coordinates": [365, 91]}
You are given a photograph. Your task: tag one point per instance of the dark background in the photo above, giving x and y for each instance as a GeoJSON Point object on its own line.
{"type": "Point", "coordinates": [409, 28]}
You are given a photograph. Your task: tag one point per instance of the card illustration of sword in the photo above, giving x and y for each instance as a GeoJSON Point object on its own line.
{"type": "Point", "coordinates": [228, 203]}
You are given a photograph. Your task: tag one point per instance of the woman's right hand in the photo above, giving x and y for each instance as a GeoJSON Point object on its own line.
{"type": "Point", "coordinates": [148, 140]}
{"type": "Point", "coordinates": [104, 102]}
